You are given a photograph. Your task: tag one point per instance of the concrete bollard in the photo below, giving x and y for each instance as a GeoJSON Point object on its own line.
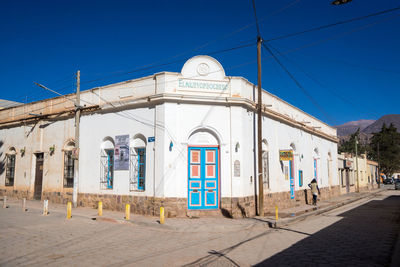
{"type": "Point", "coordinates": [162, 216]}
{"type": "Point", "coordinates": [100, 209]}
{"type": "Point", "coordinates": [127, 212]}
{"type": "Point", "coordinates": [4, 202]}
{"type": "Point", "coordinates": [45, 207]}
{"type": "Point", "coordinates": [276, 213]}
{"type": "Point", "coordinates": [24, 205]}
{"type": "Point", "coordinates": [69, 210]}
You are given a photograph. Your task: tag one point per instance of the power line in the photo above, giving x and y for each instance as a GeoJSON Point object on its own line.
{"type": "Point", "coordinates": [213, 41]}
{"type": "Point", "coordinates": [333, 24]}
{"type": "Point", "coordinates": [285, 52]}
{"type": "Point", "coordinates": [255, 16]}
{"type": "Point", "coordinates": [148, 67]}
{"type": "Point", "coordinates": [344, 62]}
{"type": "Point", "coordinates": [311, 98]}
{"type": "Point", "coordinates": [322, 85]}
{"type": "Point", "coordinates": [340, 34]}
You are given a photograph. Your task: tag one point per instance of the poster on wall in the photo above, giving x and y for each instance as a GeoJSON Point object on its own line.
{"type": "Point", "coordinates": [121, 153]}
{"type": "Point", "coordinates": [285, 155]}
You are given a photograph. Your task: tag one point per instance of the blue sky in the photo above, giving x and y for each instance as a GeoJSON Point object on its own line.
{"type": "Point", "coordinates": [352, 71]}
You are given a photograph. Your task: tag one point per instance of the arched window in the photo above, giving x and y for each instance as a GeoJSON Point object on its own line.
{"type": "Point", "coordinates": [137, 165]}
{"type": "Point", "coordinates": [69, 164]}
{"type": "Point", "coordinates": [265, 163]}
{"type": "Point", "coordinates": [10, 166]}
{"type": "Point", "coordinates": [107, 163]}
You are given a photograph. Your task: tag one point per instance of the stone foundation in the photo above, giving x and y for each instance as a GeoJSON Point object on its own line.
{"type": "Point", "coordinates": [237, 207]}
{"type": "Point", "coordinates": [58, 197]}
{"type": "Point", "coordinates": [282, 199]}
{"type": "Point", "coordinates": [19, 194]}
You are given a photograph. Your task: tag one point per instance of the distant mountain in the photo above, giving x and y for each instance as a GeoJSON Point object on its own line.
{"type": "Point", "coordinates": [351, 127]}
{"type": "Point", "coordinates": [387, 119]}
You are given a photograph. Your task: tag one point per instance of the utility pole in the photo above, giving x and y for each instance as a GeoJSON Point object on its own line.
{"type": "Point", "coordinates": [358, 183]}
{"type": "Point", "coordinates": [379, 170]}
{"type": "Point", "coordinates": [259, 133]}
{"type": "Point", "coordinates": [77, 119]}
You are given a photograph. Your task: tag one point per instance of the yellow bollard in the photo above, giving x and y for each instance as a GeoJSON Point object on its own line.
{"type": "Point", "coordinates": [162, 217]}
{"type": "Point", "coordinates": [127, 212]}
{"type": "Point", "coordinates": [276, 213]}
{"type": "Point", "coordinates": [69, 210]}
{"type": "Point", "coordinates": [100, 209]}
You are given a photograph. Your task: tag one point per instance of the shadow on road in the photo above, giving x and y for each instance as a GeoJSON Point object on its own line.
{"type": "Point", "coordinates": [364, 237]}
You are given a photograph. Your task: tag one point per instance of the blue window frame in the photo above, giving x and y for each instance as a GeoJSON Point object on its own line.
{"type": "Point", "coordinates": [300, 178]}
{"type": "Point", "coordinates": [107, 169]}
{"type": "Point", "coordinates": [110, 168]}
{"type": "Point", "coordinates": [141, 155]}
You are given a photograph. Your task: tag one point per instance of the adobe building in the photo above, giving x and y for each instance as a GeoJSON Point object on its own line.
{"type": "Point", "coordinates": [187, 141]}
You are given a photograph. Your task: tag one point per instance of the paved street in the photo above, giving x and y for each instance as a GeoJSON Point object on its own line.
{"type": "Point", "coordinates": [363, 233]}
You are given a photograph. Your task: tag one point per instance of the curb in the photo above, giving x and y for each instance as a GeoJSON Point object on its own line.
{"type": "Point", "coordinates": [286, 221]}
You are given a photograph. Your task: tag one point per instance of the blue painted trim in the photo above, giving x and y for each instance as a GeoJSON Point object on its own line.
{"type": "Point", "coordinates": [141, 179]}
{"type": "Point", "coordinates": [110, 170]}
{"type": "Point", "coordinates": [202, 191]}
{"type": "Point", "coordinates": [291, 175]}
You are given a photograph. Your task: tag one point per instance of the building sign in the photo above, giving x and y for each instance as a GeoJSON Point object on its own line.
{"type": "Point", "coordinates": [151, 139]}
{"type": "Point", "coordinates": [347, 164]}
{"type": "Point", "coordinates": [202, 85]}
{"type": "Point", "coordinates": [121, 153]}
{"type": "Point", "coordinates": [236, 168]}
{"type": "Point", "coordinates": [285, 155]}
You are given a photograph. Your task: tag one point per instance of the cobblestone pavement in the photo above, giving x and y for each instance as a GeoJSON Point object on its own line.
{"type": "Point", "coordinates": [359, 234]}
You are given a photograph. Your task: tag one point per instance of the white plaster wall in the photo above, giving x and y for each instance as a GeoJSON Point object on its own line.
{"type": "Point", "coordinates": [37, 138]}
{"type": "Point", "coordinates": [94, 128]}
{"type": "Point", "coordinates": [181, 120]}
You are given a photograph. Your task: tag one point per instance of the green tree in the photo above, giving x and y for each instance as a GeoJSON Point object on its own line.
{"type": "Point", "coordinates": [388, 141]}
{"type": "Point", "coordinates": [349, 146]}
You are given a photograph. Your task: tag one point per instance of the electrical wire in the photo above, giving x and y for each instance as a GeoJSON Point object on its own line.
{"type": "Point", "coordinates": [255, 16]}
{"type": "Point", "coordinates": [285, 52]}
{"type": "Point", "coordinates": [305, 92]}
{"type": "Point", "coordinates": [157, 63]}
{"type": "Point", "coordinates": [333, 24]}
{"type": "Point", "coordinates": [150, 66]}
{"type": "Point", "coordinates": [339, 96]}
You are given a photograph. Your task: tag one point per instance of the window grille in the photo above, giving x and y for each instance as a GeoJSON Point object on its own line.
{"type": "Point", "coordinates": [265, 161]}
{"type": "Point", "coordinates": [107, 169]}
{"type": "Point", "coordinates": [69, 168]}
{"type": "Point", "coordinates": [10, 170]}
{"type": "Point", "coordinates": [142, 168]}
{"type": "Point", "coordinates": [133, 170]}
{"type": "Point", "coordinates": [137, 169]}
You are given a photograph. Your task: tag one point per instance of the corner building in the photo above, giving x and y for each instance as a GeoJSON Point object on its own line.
{"type": "Point", "coordinates": [187, 141]}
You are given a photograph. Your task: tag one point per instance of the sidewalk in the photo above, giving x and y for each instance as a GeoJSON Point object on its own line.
{"type": "Point", "coordinates": [286, 216]}
{"type": "Point", "coordinates": [219, 224]}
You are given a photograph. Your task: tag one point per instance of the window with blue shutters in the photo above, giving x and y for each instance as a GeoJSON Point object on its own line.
{"type": "Point", "coordinates": [137, 169]}
{"type": "Point", "coordinates": [107, 169]}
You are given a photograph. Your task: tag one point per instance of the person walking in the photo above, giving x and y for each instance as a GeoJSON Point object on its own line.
{"type": "Point", "coordinates": [314, 190]}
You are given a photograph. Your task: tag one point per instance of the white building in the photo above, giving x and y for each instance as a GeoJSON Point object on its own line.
{"type": "Point", "coordinates": [183, 140]}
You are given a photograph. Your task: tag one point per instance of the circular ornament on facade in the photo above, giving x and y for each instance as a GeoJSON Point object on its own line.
{"type": "Point", "coordinates": [203, 69]}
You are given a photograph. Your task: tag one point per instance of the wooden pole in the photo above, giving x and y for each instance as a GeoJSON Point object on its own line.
{"type": "Point", "coordinates": [76, 154]}
{"type": "Point", "coordinates": [259, 132]}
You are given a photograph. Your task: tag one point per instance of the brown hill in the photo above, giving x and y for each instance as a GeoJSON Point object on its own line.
{"type": "Point", "coordinates": [387, 119]}
{"type": "Point", "coordinates": [351, 127]}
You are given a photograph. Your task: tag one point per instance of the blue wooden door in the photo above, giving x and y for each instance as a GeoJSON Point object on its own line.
{"type": "Point", "coordinates": [203, 178]}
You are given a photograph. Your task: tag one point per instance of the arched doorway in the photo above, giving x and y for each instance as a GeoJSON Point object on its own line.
{"type": "Point", "coordinates": [203, 170]}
